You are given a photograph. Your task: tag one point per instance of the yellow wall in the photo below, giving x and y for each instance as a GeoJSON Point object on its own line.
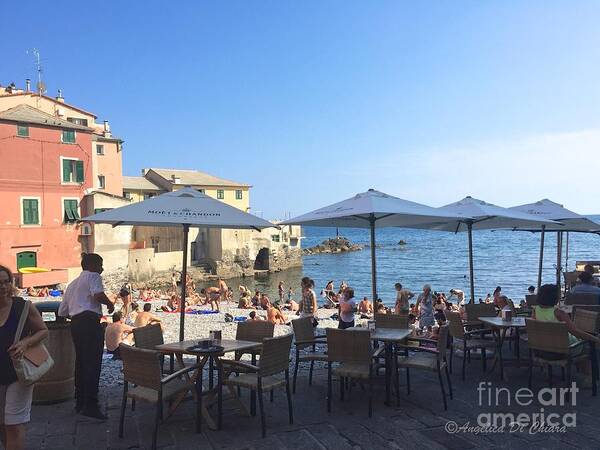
{"type": "Point", "coordinates": [229, 195]}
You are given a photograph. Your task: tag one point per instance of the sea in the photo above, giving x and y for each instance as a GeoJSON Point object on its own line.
{"type": "Point", "coordinates": [500, 258]}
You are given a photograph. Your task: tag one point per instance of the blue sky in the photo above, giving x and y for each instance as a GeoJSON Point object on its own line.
{"type": "Point", "coordinates": [314, 101]}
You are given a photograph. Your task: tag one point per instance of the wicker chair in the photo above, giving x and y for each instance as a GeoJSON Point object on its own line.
{"type": "Point", "coordinates": [306, 346]}
{"type": "Point", "coordinates": [391, 321]}
{"type": "Point", "coordinates": [581, 299]}
{"type": "Point", "coordinates": [430, 359]}
{"type": "Point", "coordinates": [274, 359]}
{"type": "Point", "coordinates": [149, 337]}
{"type": "Point", "coordinates": [476, 310]}
{"type": "Point", "coordinates": [254, 331]}
{"type": "Point", "coordinates": [352, 350]}
{"type": "Point", "coordinates": [142, 368]}
{"type": "Point", "coordinates": [465, 341]}
{"type": "Point", "coordinates": [549, 346]}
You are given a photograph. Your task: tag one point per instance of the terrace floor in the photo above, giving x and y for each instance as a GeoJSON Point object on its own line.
{"type": "Point", "coordinates": [420, 420]}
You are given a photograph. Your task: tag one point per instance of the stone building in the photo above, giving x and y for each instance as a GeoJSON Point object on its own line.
{"type": "Point", "coordinates": [227, 253]}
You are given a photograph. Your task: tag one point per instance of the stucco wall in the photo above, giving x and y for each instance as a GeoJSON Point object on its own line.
{"type": "Point", "coordinates": [31, 167]}
{"type": "Point", "coordinates": [141, 264]}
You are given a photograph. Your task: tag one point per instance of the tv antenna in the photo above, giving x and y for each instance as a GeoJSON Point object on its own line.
{"type": "Point", "coordinates": [41, 87]}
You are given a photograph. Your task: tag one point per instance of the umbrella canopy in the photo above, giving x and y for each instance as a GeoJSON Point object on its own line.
{"type": "Point", "coordinates": [567, 221]}
{"type": "Point", "coordinates": [479, 215]}
{"type": "Point", "coordinates": [373, 209]}
{"type": "Point", "coordinates": [184, 208]}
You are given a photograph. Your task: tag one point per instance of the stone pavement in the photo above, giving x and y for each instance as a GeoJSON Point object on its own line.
{"type": "Point", "coordinates": [419, 421]}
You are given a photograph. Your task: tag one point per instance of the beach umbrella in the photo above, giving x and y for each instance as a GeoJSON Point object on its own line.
{"type": "Point", "coordinates": [566, 219]}
{"type": "Point", "coordinates": [372, 209]}
{"type": "Point", "coordinates": [183, 208]}
{"type": "Point", "coordinates": [479, 215]}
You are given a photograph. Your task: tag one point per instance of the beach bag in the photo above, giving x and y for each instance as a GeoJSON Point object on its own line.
{"type": "Point", "coordinates": [36, 360]}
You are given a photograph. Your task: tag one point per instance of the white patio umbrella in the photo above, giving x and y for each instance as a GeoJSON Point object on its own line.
{"type": "Point", "coordinates": [479, 215]}
{"type": "Point", "coordinates": [567, 221]}
{"type": "Point", "coordinates": [183, 208]}
{"type": "Point", "coordinates": [373, 209]}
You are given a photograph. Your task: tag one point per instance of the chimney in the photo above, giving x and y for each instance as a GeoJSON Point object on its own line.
{"type": "Point", "coordinates": [59, 97]}
{"type": "Point", "coordinates": [27, 85]}
{"type": "Point", "coordinates": [176, 179]}
{"type": "Point", "coordinates": [144, 171]}
{"type": "Point", "coordinates": [106, 129]}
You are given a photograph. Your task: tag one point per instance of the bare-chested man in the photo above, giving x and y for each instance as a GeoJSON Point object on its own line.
{"type": "Point", "coordinates": [223, 289]}
{"type": "Point", "coordinates": [145, 317]}
{"type": "Point", "coordinates": [275, 316]}
{"type": "Point", "coordinates": [213, 295]}
{"type": "Point", "coordinates": [365, 306]}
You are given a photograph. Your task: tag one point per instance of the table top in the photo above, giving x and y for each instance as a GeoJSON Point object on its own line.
{"type": "Point", "coordinates": [229, 345]}
{"type": "Point", "coordinates": [390, 334]}
{"type": "Point", "coordinates": [498, 322]}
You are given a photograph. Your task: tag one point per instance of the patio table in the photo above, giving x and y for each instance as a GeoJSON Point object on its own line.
{"type": "Point", "coordinates": [500, 327]}
{"type": "Point", "coordinates": [182, 348]}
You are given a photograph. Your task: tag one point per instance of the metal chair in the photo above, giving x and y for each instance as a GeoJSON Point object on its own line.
{"type": "Point", "coordinates": [351, 349]}
{"type": "Point", "coordinates": [464, 340]}
{"type": "Point", "coordinates": [306, 347]}
{"type": "Point", "coordinates": [430, 359]}
{"type": "Point", "coordinates": [142, 368]}
{"type": "Point", "coordinates": [274, 359]}
{"type": "Point", "coordinates": [549, 345]}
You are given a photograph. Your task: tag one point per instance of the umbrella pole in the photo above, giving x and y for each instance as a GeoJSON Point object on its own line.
{"type": "Point", "coordinates": [373, 262]}
{"type": "Point", "coordinates": [471, 278]}
{"type": "Point", "coordinates": [567, 254]}
{"type": "Point", "coordinates": [558, 261]}
{"type": "Point", "coordinates": [542, 236]}
{"type": "Point", "coordinates": [186, 230]}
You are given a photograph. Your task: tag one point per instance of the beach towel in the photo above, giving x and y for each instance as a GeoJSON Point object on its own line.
{"type": "Point", "coordinates": [240, 319]}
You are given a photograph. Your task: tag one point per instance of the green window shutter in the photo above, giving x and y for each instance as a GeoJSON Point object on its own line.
{"type": "Point", "coordinates": [66, 170]}
{"type": "Point", "coordinates": [68, 136]}
{"type": "Point", "coordinates": [71, 211]}
{"type": "Point", "coordinates": [30, 212]}
{"type": "Point", "coordinates": [23, 130]}
{"type": "Point", "coordinates": [79, 171]}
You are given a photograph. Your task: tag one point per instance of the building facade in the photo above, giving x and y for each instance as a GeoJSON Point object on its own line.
{"type": "Point", "coordinates": [54, 155]}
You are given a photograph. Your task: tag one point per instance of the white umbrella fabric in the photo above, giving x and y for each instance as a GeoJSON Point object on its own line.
{"type": "Point", "coordinates": [479, 215]}
{"type": "Point", "coordinates": [373, 209]}
{"type": "Point", "coordinates": [184, 208]}
{"type": "Point", "coordinates": [567, 221]}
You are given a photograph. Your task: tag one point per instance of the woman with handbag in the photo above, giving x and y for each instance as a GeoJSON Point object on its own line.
{"type": "Point", "coordinates": [15, 396]}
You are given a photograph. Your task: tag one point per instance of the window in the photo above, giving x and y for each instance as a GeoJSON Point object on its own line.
{"type": "Point", "coordinates": [72, 171]}
{"type": "Point", "coordinates": [99, 149]}
{"type": "Point", "coordinates": [127, 195]}
{"type": "Point", "coordinates": [68, 136]}
{"type": "Point", "coordinates": [99, 210]}
{"type": "Point", "coordinates": [31, 211]}
{"type": "Point", "coordinates": [101, 182]}
{"type": "Point", "coordinates": [71, 207]}
{"type": "Point", "coordinates": [220, 194]}
{"type": "Point", "coordinates": [275, 237]}
{"type": "Point", "coordinates": [78, 121]}
{"type": "Point", "coordinates": [201, 191]}
{"type": "Point", "coordinates": [238, 194]}
{"type": "Point", "coordinates": [155, 240]}
{"type": "Point", "coordinates": [148, 195]}
{"type": "Point", "coordinates": [23, 130]}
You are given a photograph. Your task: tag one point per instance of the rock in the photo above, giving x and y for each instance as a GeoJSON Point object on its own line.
{"type": "Point", "coordinates": [402, 242]}
{"type": "Point", "coordinates": [335, 245]}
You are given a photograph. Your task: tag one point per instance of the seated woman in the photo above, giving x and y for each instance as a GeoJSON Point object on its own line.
{"type": "Point", "coordinates": [439, 307]}
{"type": "Point", "coordinates": [172, 304]}
{"type": "Point", "coordinates": [44, 292]}
{"type": "Point", "coordinates": [245, 302]}
{"type": "Point", "coordinates": [275, 316]}
{"type": "Point", "coordinates": [265, 303]}
{"type": "Point", "coordinates": [331, 300]}
{"type": "Point", "coordinates": [380, 307]}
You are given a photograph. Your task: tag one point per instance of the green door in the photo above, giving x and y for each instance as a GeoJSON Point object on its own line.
{"type": "Point", "coordinates": [26, 259]}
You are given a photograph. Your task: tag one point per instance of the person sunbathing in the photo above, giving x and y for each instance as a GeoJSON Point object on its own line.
{"type": "Point", "coordinates": [254, 317]}
{"type": "Point", "coordinates": [256, 299]}
{"type": "Point", "coordinates": [245, 302]}
{"type": "Point", "coordinates": [265, 303]}
{"type": "Point", "coordinates": [275, 316]}
{"type": "Point", "coordinates": [172, 304]}
{"type": "Point", "coordinates": [365, 306]}
{"type": "Point", "coordinates": [292, 305]}
{"type": "Point", "coordinates": [32, 292]}
{"type": "Point", "coordinates": [44, 292]}
{"type": "Point", "coordinates": [145, 317]}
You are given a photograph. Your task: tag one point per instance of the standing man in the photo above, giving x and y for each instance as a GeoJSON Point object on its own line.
{"type": "Point", "coordinates": [223, 289]}
{"type": "Point", "coordinates": [83, 302]}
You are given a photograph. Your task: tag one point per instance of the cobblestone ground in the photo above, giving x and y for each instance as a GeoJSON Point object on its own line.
{"type": "Point", "coordinates": [418, 422]}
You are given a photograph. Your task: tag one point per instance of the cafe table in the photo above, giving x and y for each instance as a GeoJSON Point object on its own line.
{"type": "Point", "coordinates": [500, 328]}
{"type": "Point", "coordinates": [389, 337]}
{"type": "Point", "coordinates": [204, 356]}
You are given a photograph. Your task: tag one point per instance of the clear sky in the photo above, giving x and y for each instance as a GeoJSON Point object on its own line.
{"type": "Point", "coordinates": [314, 101]}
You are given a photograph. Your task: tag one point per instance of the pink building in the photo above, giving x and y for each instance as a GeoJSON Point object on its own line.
{"type": "Point", "coordinates": [46, 170]}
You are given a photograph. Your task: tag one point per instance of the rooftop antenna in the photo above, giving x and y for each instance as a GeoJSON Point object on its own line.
{"type": "Point", "coordinates": [41, 87]}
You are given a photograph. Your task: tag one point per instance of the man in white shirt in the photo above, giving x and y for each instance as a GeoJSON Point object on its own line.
{"type": "Point", "coordinates": [83, 302]}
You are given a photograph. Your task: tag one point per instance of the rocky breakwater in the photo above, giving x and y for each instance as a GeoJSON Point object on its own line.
{"type": "Point", "coordinates": [333, 245]}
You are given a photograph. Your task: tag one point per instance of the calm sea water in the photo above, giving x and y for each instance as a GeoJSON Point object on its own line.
{"type": "Point", "coordinates": [505, 258]}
